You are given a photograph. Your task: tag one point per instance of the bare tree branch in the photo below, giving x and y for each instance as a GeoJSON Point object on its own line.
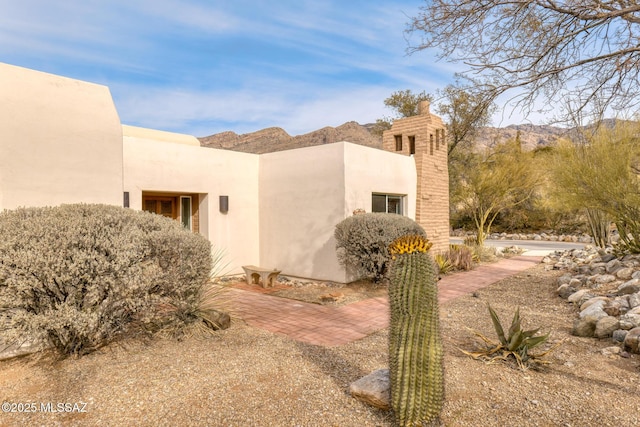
{"type": "Point", "coordinates": [586, 52]}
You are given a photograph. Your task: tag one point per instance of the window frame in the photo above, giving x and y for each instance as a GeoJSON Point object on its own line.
{"type": "Point", "coordinates": [399, 198]}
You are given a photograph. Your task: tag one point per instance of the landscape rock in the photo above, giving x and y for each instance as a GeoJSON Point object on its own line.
{"type": "Point", "coordinates": [603, 279]}
{"type": "Point", "coordinates": [607, 257]}
{"type": "Point", "coordinates": [594, 311]}
{"type": "Point", "coordinates": [619, 335]}
{"type": "Point", "coordinates": [630, 287]}
{"type": "Point", "coordinates": [613, 266]}
{"type": "Point", "coordinates": [606, 326]}
{"type": "Point", "coordinates": [584, 327]}
{"type": "Point", "coordinates": [614, 308]}
{"type": "Point", "coordinates": [607, 294]}
{"type": "Point", "coordinates": [632, 341]}
{"type": "Point", "coordinates": [577, 297]}
{"type": "Point", "coordinates": [373, 389]}
{"type": "Point", "coordinates": [625, 273]}
{"type": "Point", "coordinates": [634, 300]}
{"type": "Point", "coordinates": [565, 291]}
{"type": "Point", "coordinates": [599, 301]}
{"type": "Point", "coordinates": [221, 320]}
{"type": "Point", "coordinates": [629, 321]}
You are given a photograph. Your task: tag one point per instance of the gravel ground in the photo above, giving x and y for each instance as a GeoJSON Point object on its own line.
{"type": "Point", "coordinates": [248, 377]}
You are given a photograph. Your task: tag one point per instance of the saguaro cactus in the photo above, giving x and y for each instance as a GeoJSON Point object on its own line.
{"type": "Point", "coordinates": [415, 347]}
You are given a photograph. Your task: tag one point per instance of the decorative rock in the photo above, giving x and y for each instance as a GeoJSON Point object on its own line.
{"type": "Point", "coordinates": [584, 269]}
{"type": "Point", "coordinates": [613, 266]}
{"type": "Point", "coordinates": [565, 278]}
{"type": "Point", "coordinates": [634, 300]}
{"type": "Point", "coordinates": [220, 319]}
{"type": "Point", "coordinates": [611, 351]}
{"type": "Point", "coordinates": [632, 341]}
{"type": "Point", "coordinates": [613, 308]}
{"type": "Point", "coordinates": [374, 389]}
{"type": "Point", "coordinates": [584, 327]}
{"type": "Point", "coordinates": [603, 279]}
{"type": "Point", "coordinates": [624, 273]}
{"type": "Point", "coordinates": [619, 335]}
{"type": "Point", "coordinates": [606, 326]}
{"type": "Point", "coordinates": [575, 283]}
{"type": "Point", "coordinates": [629, 321]}
{"type": "Point", "coordinates": [565, 291]}
{"type": "Point", "coordinates": [630, 287]}
{"type": "Point", "coordinates": [599, 301]}
{"type": "Point", "coordinates": [577, 297]}
{"type": "Point", "coordinates": [616, 316]}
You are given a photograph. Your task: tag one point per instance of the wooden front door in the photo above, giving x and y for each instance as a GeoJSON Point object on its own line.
{"type": "Point", "coordinates": [165, 206]}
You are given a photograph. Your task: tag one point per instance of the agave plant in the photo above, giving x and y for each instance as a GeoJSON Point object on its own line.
{"type": "Point", "coordinates": [515, 344]}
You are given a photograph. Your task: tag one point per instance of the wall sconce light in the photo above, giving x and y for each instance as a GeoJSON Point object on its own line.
{"type": "Point", "coordinates": [224, 204]}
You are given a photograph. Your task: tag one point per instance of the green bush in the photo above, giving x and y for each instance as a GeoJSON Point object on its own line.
{"type": "Point", "coordinates": [75, 277]}
{"type": "Point", "coordinates": [362, 242]}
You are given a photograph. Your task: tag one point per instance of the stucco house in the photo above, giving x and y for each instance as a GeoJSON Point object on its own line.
{"type": "Point", "coordinates": [61, 141]}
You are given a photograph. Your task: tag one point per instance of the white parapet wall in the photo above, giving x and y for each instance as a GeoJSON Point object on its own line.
{"type": "Point", "coordinates": [60, 141]}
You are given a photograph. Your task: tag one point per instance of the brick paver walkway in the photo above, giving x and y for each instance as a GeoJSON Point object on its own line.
{"type": "Point", "coordinates": [332, 326]}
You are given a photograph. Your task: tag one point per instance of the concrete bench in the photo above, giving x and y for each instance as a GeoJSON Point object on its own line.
{"type": "Point", "coordinates": [254, 274]}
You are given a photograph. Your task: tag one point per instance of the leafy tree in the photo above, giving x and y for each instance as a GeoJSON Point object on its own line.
{"type": "Point", "coordinates": [405, 104]}
{"type": "Point", "coordinates": [601, 177]}
{"type": "Point", "coordinates": [493, 180]}
{"type": "Point", "coordinates": [585, 54]}
{"type": "Point", "coordinates": [465, 111]}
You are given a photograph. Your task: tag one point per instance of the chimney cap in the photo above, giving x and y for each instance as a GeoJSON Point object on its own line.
{"type": "Point", "coordinates": [423, 107]}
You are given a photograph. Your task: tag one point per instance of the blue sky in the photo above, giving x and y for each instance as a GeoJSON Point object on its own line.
{"type": "Point", "coordinates": [202, 67]}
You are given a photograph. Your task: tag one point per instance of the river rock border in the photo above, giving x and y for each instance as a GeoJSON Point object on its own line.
{"type": "Point", "coordinates": [605, 290]}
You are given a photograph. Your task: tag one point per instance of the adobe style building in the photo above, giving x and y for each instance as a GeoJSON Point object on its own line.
{"type": "Point", "coordinates": [61, 141]}
{"type": "Point", "coordinates": [423, 138]}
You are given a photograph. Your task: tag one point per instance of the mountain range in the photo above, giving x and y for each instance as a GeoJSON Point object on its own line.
{"type": "Point", "coordinates": [277, 139]}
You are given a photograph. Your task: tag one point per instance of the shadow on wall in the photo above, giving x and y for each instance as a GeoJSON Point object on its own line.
{"type": "Point", "coordinates": [323, 258]}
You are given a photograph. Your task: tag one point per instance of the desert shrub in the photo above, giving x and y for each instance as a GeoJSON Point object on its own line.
{"type": "Point", "coordinates": [460, 257]}
{"type": "Point", "coordinates": [443, 262]}
{"type": "Point", "coordinates": [76, 277]}
{"type": "Point", "coordinates": [514, 344]}
{"type": "Point", "coordinates": [362, 242]}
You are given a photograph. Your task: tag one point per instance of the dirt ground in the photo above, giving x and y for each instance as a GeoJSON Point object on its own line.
{"type": "Point", "coordinates": [249, 377]}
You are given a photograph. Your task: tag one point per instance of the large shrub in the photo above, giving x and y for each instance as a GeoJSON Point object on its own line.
{"type": "Point", "coordinates": [362, 242]}
{"type": "Point", "coordinates": [75, 277]}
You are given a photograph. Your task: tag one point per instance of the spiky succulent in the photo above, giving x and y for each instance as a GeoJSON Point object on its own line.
{"type": "Point", "coordinates": [415, 346]}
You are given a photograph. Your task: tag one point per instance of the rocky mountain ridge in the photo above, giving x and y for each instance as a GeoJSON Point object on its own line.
{"type": "Point", "coordinates": [277, 139]}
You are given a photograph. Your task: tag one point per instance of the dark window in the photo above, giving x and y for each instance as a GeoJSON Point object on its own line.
{"type": "Point", "coordinates": [398, 142]}
{"type": "Point", "coordinates": [412, 145]}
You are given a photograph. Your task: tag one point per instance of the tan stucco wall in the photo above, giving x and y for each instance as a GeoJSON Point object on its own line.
{"type": "Point", "coordinates": [432, 203]}
{"type": "Point", "coordinates": [376, 171]}
{"type": "Point", "coordinates": [305, 192]}
{"type": "Point", "coordinates": [157, 166]}
{"type": "Point", "coordinates": [60, 141]}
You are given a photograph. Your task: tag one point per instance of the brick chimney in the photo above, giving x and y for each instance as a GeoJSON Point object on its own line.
{"type": "Point", "coordinates": [423, 107]}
